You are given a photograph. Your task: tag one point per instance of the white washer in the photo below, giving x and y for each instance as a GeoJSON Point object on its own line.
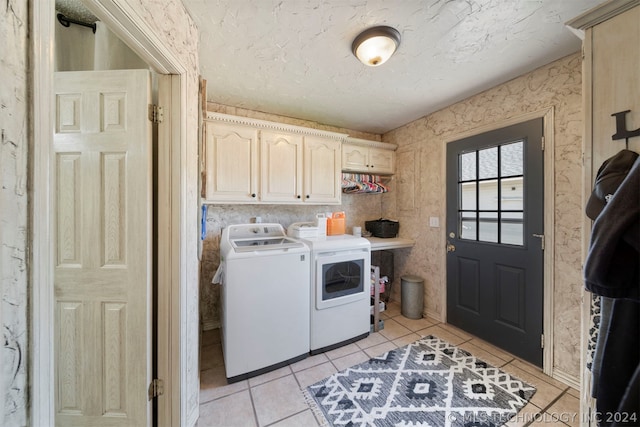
{"type": "Point", "coordinates": [264, 299]}
{"type": "Point", "coordinates": [340, 291]}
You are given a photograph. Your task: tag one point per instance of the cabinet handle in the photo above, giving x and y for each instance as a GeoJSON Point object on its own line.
{"type": "Point", "coordinates": [298, 196]}
{"type": "Point", "coordinates": [307, 196]}
{"type": "Point", "coordinates": [253, 194]}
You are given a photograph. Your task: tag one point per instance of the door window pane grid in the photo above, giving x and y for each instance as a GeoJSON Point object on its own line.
{"type": "Point", "coordinates": [491, 194]}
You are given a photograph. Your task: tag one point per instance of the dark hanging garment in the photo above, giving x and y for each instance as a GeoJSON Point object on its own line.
{"type": "Point", "coordinates": [612, 270]}
{"type": "Point", "coordinates": [612, 266]}
{"type": "Point", "coordinates": [630, 405]}
{"type": "Point", "coordinates": [620, 360]}
{"type": "Point", "coordinates": [609, 177]}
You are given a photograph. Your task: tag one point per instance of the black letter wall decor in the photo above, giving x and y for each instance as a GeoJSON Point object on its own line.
{"type": "Point", "coordinates": [621, 127]}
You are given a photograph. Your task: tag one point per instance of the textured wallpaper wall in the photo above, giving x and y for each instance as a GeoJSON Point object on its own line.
{"type": "Point", "coordinates": [14, 113]}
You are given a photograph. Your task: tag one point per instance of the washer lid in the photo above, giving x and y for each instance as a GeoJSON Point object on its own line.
{"type": "Point", "coordinates": [265, 244]}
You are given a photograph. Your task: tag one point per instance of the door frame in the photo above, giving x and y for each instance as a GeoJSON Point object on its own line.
{"type": "Point", "coordinates": [548, 258]}
{"type": "Point", "coordinates": [124, 22]}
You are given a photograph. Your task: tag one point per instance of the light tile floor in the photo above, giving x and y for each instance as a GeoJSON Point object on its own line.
{"type": "Point", "coordinates": [276, 399]}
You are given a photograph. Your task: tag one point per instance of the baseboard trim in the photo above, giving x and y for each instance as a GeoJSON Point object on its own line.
{"type": "Point", "coordinates": [434, 315]}
{"type": "Point", "coordinates": [570, 380]}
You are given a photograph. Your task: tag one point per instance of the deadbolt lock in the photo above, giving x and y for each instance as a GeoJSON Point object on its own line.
{"type": "Point", "coordinates": [452, 235]}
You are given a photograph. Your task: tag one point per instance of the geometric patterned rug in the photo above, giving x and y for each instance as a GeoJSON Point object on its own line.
{"type": "Point", "coordinates": [428, 383]}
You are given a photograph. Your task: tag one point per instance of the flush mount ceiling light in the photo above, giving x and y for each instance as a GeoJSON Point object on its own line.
{"type": "Point", "coordinates": [374, 46]}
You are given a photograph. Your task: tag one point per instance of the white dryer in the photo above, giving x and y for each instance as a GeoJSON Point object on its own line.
{"type": "Point", "coordinates": [340, 290]}
{"type": "Point", "coordinates": [264, 299]}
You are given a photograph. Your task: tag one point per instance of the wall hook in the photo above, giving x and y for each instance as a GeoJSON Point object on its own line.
{"type": "Point", "coordinates": [621, 128]}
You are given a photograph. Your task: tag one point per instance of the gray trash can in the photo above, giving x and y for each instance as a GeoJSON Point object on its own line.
{"type": "Point", "coordinates": [412, 296]}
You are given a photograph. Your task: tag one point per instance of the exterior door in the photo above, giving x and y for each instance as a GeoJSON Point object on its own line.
{"type": "Point", "coordinates": [495, 237]}
{"type": "Point", "coordinates": [102, 248]}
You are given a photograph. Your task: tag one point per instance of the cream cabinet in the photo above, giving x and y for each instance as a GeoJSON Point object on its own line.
{"type": "Point", "coordinates": [256, 161]}
{"type": "Point", "coordinates": [281, 167]}
{"type": "Point", "coordinates": [231, 158]}
{"type": "Point", "coordinates": [299, 169]}
{"type": "Point", "coordinates": [322, 158]}
{"type": "Point", "coordinates": [359, 155]}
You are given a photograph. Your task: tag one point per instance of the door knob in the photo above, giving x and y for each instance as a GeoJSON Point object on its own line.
{"type": "Point", "coordinates": [450, 247]}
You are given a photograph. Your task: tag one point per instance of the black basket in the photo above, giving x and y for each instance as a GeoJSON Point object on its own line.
{"type": "Point", "coordinates": [382, 227]}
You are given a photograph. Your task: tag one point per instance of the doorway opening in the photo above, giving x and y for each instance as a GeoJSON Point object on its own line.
{"type": "Point", "coordinates": [174, 204]}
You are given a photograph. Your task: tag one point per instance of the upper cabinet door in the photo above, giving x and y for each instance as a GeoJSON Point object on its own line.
{"type": "Point", "coordinates": [372, 160]}
{"type": "Point", "coordinates": [231, 162]}
{"type": "Point", "coordinates": [381, 161]}
{"type": "Point", "coordinates": [355, 158]}
{"type": "Point", "coordinates": [281, 168]}
{"type": "Point", "coordinates": [322, 162]}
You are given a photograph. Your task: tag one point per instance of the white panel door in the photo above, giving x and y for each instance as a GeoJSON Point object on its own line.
{"type": "Point", "coordinates": [102, 248]}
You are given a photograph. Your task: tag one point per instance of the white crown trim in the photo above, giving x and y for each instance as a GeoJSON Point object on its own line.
{"type": "Point", "coordinates": [601, 13]}
{"type": "Point", "coordinates": [368, 143]}
{"type": "Point", "coordinates": [264, 124]}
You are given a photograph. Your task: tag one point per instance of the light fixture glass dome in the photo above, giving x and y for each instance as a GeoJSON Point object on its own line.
{"type": "Point", "coordinates": [375, 46]}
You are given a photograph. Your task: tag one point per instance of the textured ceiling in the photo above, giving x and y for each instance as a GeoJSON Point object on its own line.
{"type": "Point", "coordinates": [293, 57]}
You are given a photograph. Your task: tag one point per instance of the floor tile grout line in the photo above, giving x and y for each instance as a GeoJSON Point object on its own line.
{"type": "Point", "coordinates": [253, 406]}
{"type": "Point", "coordinates": [302, 390]}
{"type": "Point", "coordinates": [542, 378]}
{"type": "Point", "coordinates": [286, 418]}
{"type": "Point", "coordinates": [222, 397]}
{"type": "Point", "coordinates": [544, 410]}
{"type": "Point", "coordinates": [505, 361]}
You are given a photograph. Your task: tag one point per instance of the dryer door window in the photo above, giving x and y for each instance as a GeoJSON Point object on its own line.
{"type": "Point", "coordinates": [342, 278]}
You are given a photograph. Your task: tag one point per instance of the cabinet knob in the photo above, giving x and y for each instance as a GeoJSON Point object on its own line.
{"type": "Point", "coordinates": [253, 194]}
{"type": "Point", "coordinates": [307, 196]}
{"type": "Point", "coordinates": [298, 196]}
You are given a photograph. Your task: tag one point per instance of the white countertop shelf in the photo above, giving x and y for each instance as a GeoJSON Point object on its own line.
{"type": "Point", "coordinates": [380, 243]}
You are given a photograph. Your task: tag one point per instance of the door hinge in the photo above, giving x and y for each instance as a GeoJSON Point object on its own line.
{"type": "Point", "coordinates": [156, 113]}
{"type": "Point", "coordinates": [542, 143]}
{"type": "Point", "coordinates": [541, 340]}
{"type": "Point", "coordinates": [541, 237]}
{"type": "Point", "coordinates": [156, 388]}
